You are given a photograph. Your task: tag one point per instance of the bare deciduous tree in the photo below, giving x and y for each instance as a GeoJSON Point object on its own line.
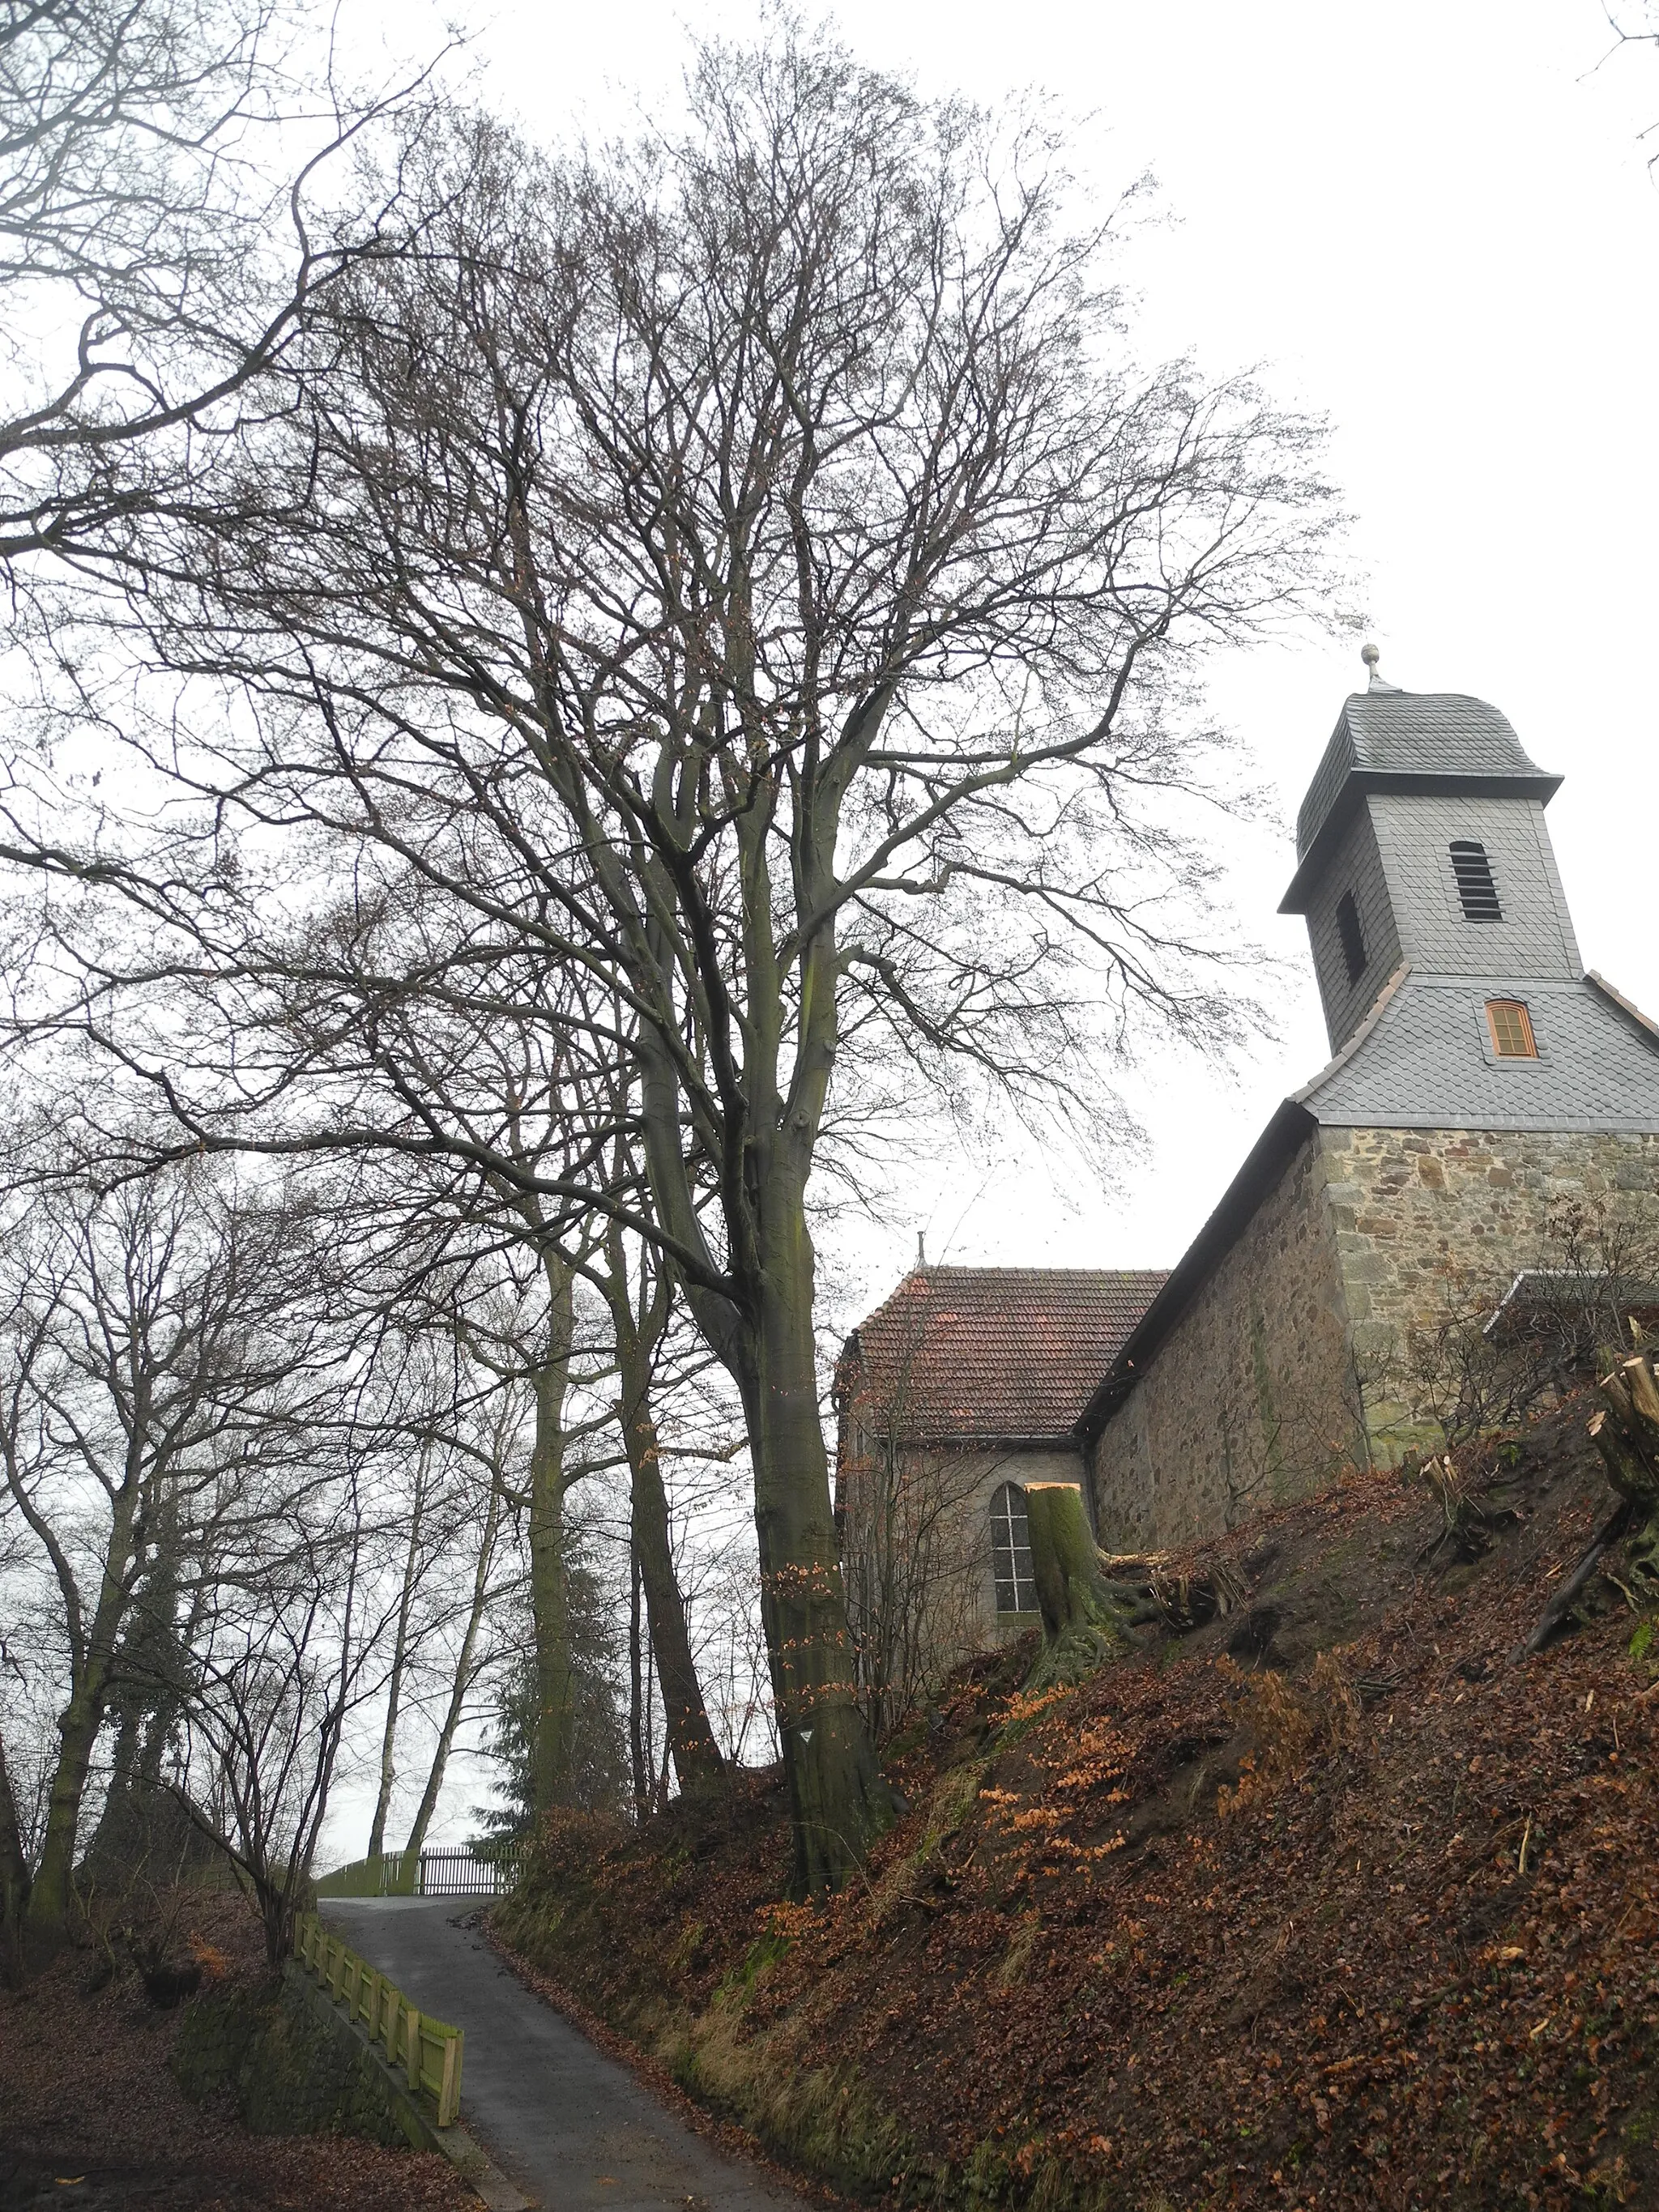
{"type": "Point", "coordinates": [157, 253]}
{"type": "Point", "coordinates": [157, 1349]}
{"type": "Point", "coordinates": [748, 570]}
{"type": "Point", "coordinates": [281, 1657]}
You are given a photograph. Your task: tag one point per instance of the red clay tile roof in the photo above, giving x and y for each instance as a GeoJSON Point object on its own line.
{"type": "Point", "coordinates": [993, 1351]}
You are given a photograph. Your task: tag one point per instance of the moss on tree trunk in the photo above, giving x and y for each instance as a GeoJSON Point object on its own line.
{"type": "Point", "coordinates": [1084, 1619]}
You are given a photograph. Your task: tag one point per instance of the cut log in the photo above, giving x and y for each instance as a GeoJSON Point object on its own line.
{"type": "Point", "coordinates": [1617, 1397]}
{"type": "Point", "coordinates": [1085, 1619]}
{"type": "Point", "coordinates": [1638, 1378]}
{"type": "Point", "coordinates": [1627, 1471]}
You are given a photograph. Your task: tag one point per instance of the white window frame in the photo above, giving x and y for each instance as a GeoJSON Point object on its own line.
{"type": "Point", "coordinates": [1010, 1538]}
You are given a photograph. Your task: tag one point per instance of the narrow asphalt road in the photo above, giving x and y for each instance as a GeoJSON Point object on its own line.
{"type": "Point", "coordinates": [571, 2127]}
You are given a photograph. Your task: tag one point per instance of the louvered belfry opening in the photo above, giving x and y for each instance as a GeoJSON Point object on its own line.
{"type": "Point", "coordinates": [1354, 938]}
{"type": "Point", "coordinates": [1475, 886]}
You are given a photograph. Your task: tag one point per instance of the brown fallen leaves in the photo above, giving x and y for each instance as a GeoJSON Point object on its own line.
{"type": "Point", "coordinates": [90, 2115]}
{"type": "Point", "coordinates": [1416, 1963]}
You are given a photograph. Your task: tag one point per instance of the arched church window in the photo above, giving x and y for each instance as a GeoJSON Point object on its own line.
{"type": "Point", "coordinates": [1475, 887]}
{"type": "Point", "coordinates": [1354, 938]}
{"type": "Point", "coordinates": [1011, 1552]}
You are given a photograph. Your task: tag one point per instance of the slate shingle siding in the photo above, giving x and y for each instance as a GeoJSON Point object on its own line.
{"type": "Point", "coordinates": [1428, 1064]}
{"type": "Point", "coordinates": [1410, 733]}
{"type": "Point", "coordinates": [1414, 836]}
{"type": "Point", "coordinates": [1356, 867]}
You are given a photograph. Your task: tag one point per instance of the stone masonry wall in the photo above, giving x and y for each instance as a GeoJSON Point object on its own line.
{"type": "Point", "coordinates": [1295, 1358]}
{"type": "Point", "coordinates": [1427, 1219]}
{"type": "Point", "coordinates": [1252, 1398]}
{"type": "Point", "coordinates": [939, 1499]}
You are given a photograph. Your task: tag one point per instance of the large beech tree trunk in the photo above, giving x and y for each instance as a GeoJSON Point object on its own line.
{"type": "Point", "coordinates": [79, 1724]}
{"type": "Point", "coordinates": [697, 1761]}
{"type": "Point", "coordinates": [1084, 1619]}
{"type": "Point", "coordinates": [838, 1800]}
{"type": "Point", "coordinates": [549, 1594]}
{"type": "Point", "coordinates": [14, 1882]}
{"type": "Point", "coordinates": [691, 1745]}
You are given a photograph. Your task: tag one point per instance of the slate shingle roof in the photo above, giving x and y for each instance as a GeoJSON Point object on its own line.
{"type": "Point", "coordinates": [992, 1352]}
{"type": "Point", "coordinates": [1426, 1062]}
{"type": "Point", "coordinates": [1413, 733]}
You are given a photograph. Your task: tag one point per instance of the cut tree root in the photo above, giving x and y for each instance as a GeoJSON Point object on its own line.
{"type": "Point", "coordinates": [1554, 1615]}
{"type": "Point", "coordinates": [1091, 1604]}
{"type": "Point", "coordinates": [1625, 1432]}
{"type": "Point", "coordinates": [1468, 1522]}
{"type": "Point", "coordinates": [1180, 1602]}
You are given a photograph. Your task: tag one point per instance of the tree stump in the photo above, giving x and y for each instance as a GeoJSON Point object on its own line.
{"type": "Point", "coordinates": [1085, 1619]}
{"type": "Point", "coordinates": [1625, 1432]}
{"type": "Point", "coordinates": [1629, 1441]}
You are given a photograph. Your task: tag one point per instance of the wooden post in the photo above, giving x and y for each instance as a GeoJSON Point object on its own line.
{"type": "Point", "coordinates": [412, 2056]}
{"type": "Point", "coordinates": [449, 2093]}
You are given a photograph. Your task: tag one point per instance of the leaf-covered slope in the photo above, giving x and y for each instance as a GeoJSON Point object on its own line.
{"type": "Point", "coordinates": [1357, 1913]}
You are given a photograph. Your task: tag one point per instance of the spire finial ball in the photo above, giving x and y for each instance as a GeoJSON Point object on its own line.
{"type": "Point", "coordinates": [1370, 655]}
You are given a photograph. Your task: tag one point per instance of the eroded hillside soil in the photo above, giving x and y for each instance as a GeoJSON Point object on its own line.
{"type": "Point", "coordinates": [1328, 1904]}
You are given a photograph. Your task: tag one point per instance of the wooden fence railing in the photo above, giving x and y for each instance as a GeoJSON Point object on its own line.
{"type": "Point", "coordinates": [392, 1873]}
{"type": "Point", "coordinates": [427, 2052]}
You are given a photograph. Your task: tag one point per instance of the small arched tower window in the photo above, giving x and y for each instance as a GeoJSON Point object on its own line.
{"type": "Point", "coordinates": [1475, 886]}
{"type": "Point", "coordinates": [1512, 1029]}
{"type": "Point", "coordinates": [1352, 936]}
{"type": "Point", "coordinates": [1011, 1552]}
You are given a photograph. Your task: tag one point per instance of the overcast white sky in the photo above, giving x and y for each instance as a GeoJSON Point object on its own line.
{"type": "Point", "coordinates": [1431, 220]}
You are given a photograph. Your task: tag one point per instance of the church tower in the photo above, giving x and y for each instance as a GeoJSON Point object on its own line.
{"type": "Point", "coordinates": [1422, 840]}
{"type": "Point", "coordinates": [1483, 1091]}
